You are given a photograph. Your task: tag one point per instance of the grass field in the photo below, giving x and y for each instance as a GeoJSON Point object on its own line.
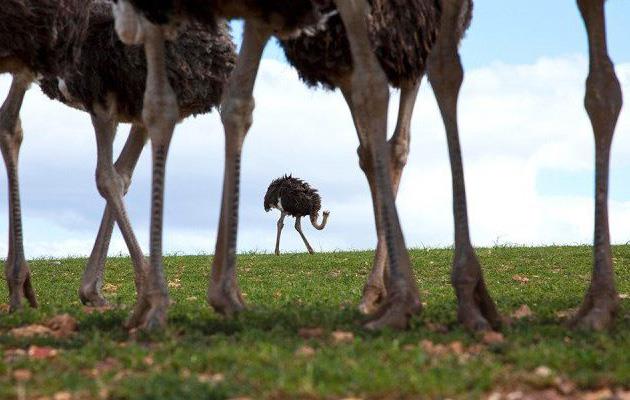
{"type": "Point", "coordinates": [262, 355]}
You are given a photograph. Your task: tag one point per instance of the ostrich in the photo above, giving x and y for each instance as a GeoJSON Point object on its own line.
{"type": "Point", "coordinates": [141, 21]}
{"type": "Point", "coordinates": [405, 54]}
{"type": "Point", "coordinates": [35, 39]}
{"type": "Point", "coordinates": [366, 87]}
{"type": "Point", "coordinates": [294, 197]}
{"type": "Point", "coordinates": [108, 81]}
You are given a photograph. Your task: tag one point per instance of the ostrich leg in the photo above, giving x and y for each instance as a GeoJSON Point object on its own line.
{"type": "Point", "coordinates": [16, 269]}
{"type": "Point", "coordinates": [476, 309]}
{"type": "Point", "coordinates": [374, 290]}
{"type": "Point", "coordinates": [369, 95]}
{"type": "Point", "coordinates": [603, 103]}
{"type": "Point", "coordinates": [92, 281]}
{"type": "Point", "coordinates": [298, 227]}
{"type": "Point", "coordinates": [111, 186]}
{"type": "Point", "coordinates": [236, 114]}
{"type": "Point", "coordinates": [280, 226]}
{"type": "Point", "coordinates": [160, 115]}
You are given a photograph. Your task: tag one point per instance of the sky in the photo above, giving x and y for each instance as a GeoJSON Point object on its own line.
{"type": "Point", "coordinates": [526, 140]}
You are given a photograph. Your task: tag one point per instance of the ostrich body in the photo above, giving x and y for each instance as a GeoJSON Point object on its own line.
{"type": "Point", "coordinates": [296, 198]}
{"type": "Point", "coordinates": [403, 33]}
{"type": "Point", "coordinates": [108, 81]}
{"type": "Point", "coordinates": [142, 21]}
{"type": "Point", "coordinates": [36, 38]}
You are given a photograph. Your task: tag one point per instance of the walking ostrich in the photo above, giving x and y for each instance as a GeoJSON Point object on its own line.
{"type": "Point", "coordinates": [35, 39]}
{"type": "Point", "coordinates": [367, 87]}
{"type": "Point", "coordinates": [294, 197]}
{"type": "Point", "coordinates": [108, 81]}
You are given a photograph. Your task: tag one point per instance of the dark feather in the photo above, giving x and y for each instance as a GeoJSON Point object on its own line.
{"type": "Point", "coordinates": [42, 34]}
{"type": "Point", "coordinates": [199, 63]}
{"type": "Point", "coordinates": [298, 198]}
{"type": "Point", "coordinates": [402, 33]}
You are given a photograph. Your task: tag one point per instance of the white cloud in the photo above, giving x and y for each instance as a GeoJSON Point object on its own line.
{"type": "Point", "coordinates": [518, 123]}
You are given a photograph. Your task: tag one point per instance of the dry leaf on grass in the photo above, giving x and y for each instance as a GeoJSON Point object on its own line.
{"type": "Point", "coordinates": [568, 313]}
{"type": "Point", "coordinates": [624, 296]}
{"type": "Point", "coordinates": [305, 351]}
{"type": "Point", "coordinates": [31, 331]}
{"type": "Point", "coordinates": [211, 378]}
{"type": "Point", "coordinates": [175, 283]}
{"type": "Point", "coordinates": [41, 353]}
{"type": "Point", "coordinates": [310, 333]}
{"type": "Point", "coordinates": [492, 337]}
{"type": "Point", "coordinates": [4, 308]}
{"type": "Point", "coordinates": [602, 394]}
{"type": "Point", "coordinates": [62, 325]}
{"type": "Point", "coordinates": [98, 310]}
{"type": "Point", "coordinates": [11, 355]}
{"type": "Point", "coordinates": [342, 337]}
{"type": "Point", "coordinates": [543, 371]}
{"type": "Point", "coordinates": [522, 312]}
{"type": "Point", "coordinates": [520, 279]}
{"type": "Point", "coordinates": [110, 288]}
{"type": "Point", "coordinates": [22, 375]}
{"type": "Point", "coordinates": [62, 396]}
{"type": "Point", "coordinates": [436, 327]}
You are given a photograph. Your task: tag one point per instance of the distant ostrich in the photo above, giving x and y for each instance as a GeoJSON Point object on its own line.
{"type": "Point", "coordinates": [108, 81]}
{"type": "Point", "coordinates": [294, 197]}
{"type": "Point", "coordinates": [36, 38]}
{"type": "Point", "coordinates": [283, 18]}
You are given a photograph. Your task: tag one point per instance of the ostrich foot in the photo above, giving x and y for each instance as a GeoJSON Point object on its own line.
{"type": "Point", "coordinates": [149, 313]}
{"type": "Point", "coordinates": [373, 297]}
{"type": "Point", "coordinates": [396, 312]}
{"type": "Point", "coordinates": [477, 312]}
{"type": "Point", "coordinates": [91, 296]}
{"type": "Point", "coordinates": [21, 288]}
{"type": "Point", "coordinates": [597, 314]}
{"type": "Point", "coordinates": [226, 299]}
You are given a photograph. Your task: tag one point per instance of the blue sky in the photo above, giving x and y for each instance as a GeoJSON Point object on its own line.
{"type": "Point", "coordinates": [527, 148]}
{"type": "Point", "coordinates": [517, 32]}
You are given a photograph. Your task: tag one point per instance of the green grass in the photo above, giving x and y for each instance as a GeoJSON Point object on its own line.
{"type": "Point", "coordinates": [255, 353]}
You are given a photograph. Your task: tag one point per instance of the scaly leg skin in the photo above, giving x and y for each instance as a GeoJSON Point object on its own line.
{"type": "Point", "coordinates": [280, 225]}
{"type": "Point", "coordinates": [603, 103]}
{"type": "Point", "coordinates": [369, 102]}
{"type": "Point", "coordinates": [92, 281]}
{"type": "Point", "coordinates": [111, 185]}
{"type": "Point", "coordinates": [298, 227]}
{"type": "Point", "coordinates": [374, 290]}
{"type": "Point", "coordinates": [237, 106]}
{"type": "Point", "coordinates": [160, 115]}
{"type": "Point", "coordinates": [16, 270]}
{"type": "Point", "coordinates": [475, 308]}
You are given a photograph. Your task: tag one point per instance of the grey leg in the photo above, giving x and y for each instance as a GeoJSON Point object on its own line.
{"type": "Point", "coordinates": [92, 281]}
{"type": "Point", "coordinates": [280, 225]}
{"type": "Point", "coordinates": [236, 113]}
{"type": "Point", "coordinates": [369, 95]}
{"type": "Point", "coordinates": [603, 103]}
{"type": "Point", "coordinates": [160, 116]}
{"type": "Point", "coordinates": [111, 186]}
{"type": "Point", "coordinates": [298, 227]}
{"type": "Point", "coordinates": [476, 309]}
{"type": "Point", "coordinates": [374, 290]}
{"type": "Point", "coordinates": [16, 270]}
